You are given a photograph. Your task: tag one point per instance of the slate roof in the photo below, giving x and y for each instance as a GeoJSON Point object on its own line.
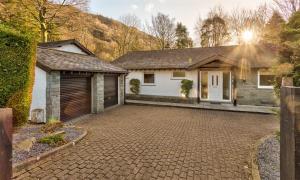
{"type": "Point", "coordinates": [256, 56]}
{"type": "Point", "coordinates": [55, 44]}
{"type": "Point", "coordinates": [52, 59]}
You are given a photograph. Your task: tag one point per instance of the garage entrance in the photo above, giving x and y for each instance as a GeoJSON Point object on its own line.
{"type": "Point", "coordinates": [75, 95]}
{"type": "Point", "coordinates": [110, 90]}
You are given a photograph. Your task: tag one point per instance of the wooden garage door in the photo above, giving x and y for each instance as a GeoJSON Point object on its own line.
{"type": "Point", "coordinates": [75, 96]}
{"type": "Point", "coordinates": [110, 90]}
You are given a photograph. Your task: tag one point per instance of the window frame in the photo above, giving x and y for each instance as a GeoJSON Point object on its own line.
{"type": "Point", "coordinates": [178, 78]}
{"type": "Point", "coordinates": [259, 73]}
{"type": "Point", "coordinates": [148, 84]}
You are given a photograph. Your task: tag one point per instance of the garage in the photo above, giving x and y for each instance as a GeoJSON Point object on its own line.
{"type": "Point", "coordinates": [75, 96]}
{"type": "Point", "coordinates": [110, 90]}
{"type": "Point", "coordinates": [73, 83]}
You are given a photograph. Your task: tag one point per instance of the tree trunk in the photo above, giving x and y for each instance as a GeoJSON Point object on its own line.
{"type": "Point", "coordinates": [43, 24]}
{"type": "Point", "coordinates": [44, 33]}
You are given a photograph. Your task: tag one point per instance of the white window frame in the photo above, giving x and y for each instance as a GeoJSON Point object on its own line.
{"type": "Point", "coordinates": [148, 84]}
{"type": "Point", "coordinates": [178, 78]}
{"type": "Point", "coordinates": [258, 81]}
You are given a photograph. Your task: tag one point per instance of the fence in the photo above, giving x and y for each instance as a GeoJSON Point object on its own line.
{"type": "Point", "coordinates": [5, 144]}
{"type": "Point", "coordinates": [290, 133]}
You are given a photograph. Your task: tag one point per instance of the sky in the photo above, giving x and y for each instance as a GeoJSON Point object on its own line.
{"type": "Point", "coordinates": [185, 11]}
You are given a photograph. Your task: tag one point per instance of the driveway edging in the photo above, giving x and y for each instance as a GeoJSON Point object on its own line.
{"type": "Point", "coordinates": [18, 167]}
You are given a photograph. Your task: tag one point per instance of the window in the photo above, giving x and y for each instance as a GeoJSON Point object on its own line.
{"type": "Point", "coordinates": [178, 75]}
{"type": "Point", "coordinates": [265, 80]}
{"type": "Point", "coordinates": [226, 85]}
{"type": "Point", "coordinates": [148, 78]}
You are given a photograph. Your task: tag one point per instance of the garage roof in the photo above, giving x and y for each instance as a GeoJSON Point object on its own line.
{"type": "Point", "coordinates": [52, 59]}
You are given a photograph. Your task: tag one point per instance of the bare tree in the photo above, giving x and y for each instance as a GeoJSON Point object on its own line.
{"type": "Point", "coordinates": [163, 28]}
{"type": "Point", "coordinates": [245, 19]}
{"type": "Point", "coordinates": [287, 7]}
{"type": "Point", "coordinates": [46, 12]}
{"type": "Point", "coordinates": [127, 39]}
{"type": "Point", "coordinates": [218, 11]}
{"type": "Point", "coordinates": [197, 29]}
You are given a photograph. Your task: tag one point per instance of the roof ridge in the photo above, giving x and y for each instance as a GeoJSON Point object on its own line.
{"type": "Point", "coordinates": [52, 49]}
{"type": "Point", "coordinates": [165, 50]}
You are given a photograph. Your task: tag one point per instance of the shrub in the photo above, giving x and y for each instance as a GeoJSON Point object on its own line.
{"type": "Point", "coordinates": [186, 86]}
{"type": "Point", "coordinates": [17, 62]}
{"type": "Point", "coordinates": [135, 86]}
{"type": "Point", "coordinates": [53, 140]}
{"type": "Point", "coordinates": [52, 125]}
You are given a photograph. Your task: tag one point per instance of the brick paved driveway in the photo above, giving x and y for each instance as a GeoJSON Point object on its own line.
{"type": "Point", "coordinates": [144, 142]}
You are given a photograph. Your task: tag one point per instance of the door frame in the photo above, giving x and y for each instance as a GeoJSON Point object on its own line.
{"type": "Point", "coordinates": [200, 86]}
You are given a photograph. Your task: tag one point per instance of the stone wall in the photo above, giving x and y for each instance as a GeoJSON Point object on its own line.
{"type": "Point", "coordinates": [121, 89]}
{"type": "Point", "coordinates": [98, 93]}
{"type": "Point", "coordinates": [53, 95]}
{"type": "Point", "coordinates": [248, 92]}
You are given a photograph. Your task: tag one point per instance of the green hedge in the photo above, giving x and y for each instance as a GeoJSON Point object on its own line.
{"type": "Point", "coordinates": [17, 61]}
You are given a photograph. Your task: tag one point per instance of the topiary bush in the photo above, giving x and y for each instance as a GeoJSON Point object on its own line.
{"type": "Point", "coordinates": [135, 86]}
{"type": "Point", "coordinates": [186, 86]}
{"type": "Point", "coordinates": [17, 62]}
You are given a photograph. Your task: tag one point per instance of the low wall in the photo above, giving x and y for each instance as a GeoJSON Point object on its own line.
{"type": "Point", "coordinates": [5, 143]}
{"type": "Point", "coordinates": [162, 98]}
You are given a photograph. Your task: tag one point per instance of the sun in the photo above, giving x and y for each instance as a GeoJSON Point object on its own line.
{"type": "Point", "coordinates": [247, 36]}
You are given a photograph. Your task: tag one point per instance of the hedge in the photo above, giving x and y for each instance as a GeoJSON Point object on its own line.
{"type": "Point", "coordinates": [17, 62]}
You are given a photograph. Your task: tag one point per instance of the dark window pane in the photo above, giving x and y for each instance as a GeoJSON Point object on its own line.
{"type": "Point", "coordinates": [179, 74]}
{"type": "Point", "coordinates": [266, 80]}
{"type": "Point", "coordinates": [149, 78]}
{"type": "Point", "coordinates": [204, 85]}
{"type": "Point", "coordinates": [226, 85]}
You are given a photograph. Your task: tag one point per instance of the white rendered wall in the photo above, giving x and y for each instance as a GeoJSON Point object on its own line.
{"type": "Point", "coordinates": [39, 91]}
{"type": "Point", "coordinates": [70, 48]}
{"type": "Point", "coordinates": [165, 85]}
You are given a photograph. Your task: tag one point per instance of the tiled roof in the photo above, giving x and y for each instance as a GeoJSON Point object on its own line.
{"type": "Point", "coordinates": [55, 44]}
{"type": "Point", "coordinates": [52, 59]}
{"type": "Point", "coordinates": [257, 56]}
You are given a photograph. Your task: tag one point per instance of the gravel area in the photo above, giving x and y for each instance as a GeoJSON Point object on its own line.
{"type": "Point", "coordinates": [28, 131]}
{"type": "Point", "coordinates": [269, 159]}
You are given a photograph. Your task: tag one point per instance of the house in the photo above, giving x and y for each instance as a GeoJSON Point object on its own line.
{"type": "Point", "coordinates": [226, 74]}
{"type": "Point", "coordinates": [70, 82]}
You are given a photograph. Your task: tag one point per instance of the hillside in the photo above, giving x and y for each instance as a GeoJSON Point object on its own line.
{"type": "Point", "coordinates": [98, 33]}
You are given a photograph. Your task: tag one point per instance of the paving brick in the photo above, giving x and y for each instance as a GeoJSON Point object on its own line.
{"type": "Point", "coordinates": [144, 142]}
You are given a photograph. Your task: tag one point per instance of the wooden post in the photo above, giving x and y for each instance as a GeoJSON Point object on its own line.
{"type": "Point", "coordinates": [5, 144]}
{"type": "Point", "coordinates": [290, 133]}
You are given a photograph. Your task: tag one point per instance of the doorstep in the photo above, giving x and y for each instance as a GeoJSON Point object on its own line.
{"type": "Point", "coordinates": [207, 105]}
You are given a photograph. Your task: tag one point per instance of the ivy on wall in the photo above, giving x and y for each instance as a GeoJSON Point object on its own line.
{"type": "Point", "coordinates": [17, 62]}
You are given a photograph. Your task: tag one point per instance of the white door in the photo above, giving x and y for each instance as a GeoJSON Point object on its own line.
{"type": "Point", "coordinates": [215, 85]}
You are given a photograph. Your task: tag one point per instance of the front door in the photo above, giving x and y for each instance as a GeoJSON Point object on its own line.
{"type": "Point", "coordinates": [215, 85]}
